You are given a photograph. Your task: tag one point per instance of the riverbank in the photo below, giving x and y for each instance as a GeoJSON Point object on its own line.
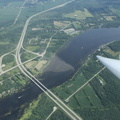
{"type": "Point", "coordinates": [88, 102]}
{"type": "Point", "coordinates": [68, 58]}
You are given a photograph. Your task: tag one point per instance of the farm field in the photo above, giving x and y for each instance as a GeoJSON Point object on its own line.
{"type": "Point", "coordinates": [89, 94]}
{"type": "Point", "coordinates": [79, 15]}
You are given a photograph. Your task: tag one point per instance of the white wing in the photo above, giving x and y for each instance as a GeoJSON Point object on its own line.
{"type": "Point", "coordinates": [112, 64]}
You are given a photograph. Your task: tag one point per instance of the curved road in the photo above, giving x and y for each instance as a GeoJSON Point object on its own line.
{"type": "Point", "coordinates": [1, 59]}
{"type": "Point", "coordinates": [53, 97]}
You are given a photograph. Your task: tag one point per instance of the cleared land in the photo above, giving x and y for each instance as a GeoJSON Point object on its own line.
{"type": "Point", "coordinates": [91, 100]}
{"type": "Point", "coordinates": [79, 15]}
{"type": "Point", "coordinates": [40, 65]}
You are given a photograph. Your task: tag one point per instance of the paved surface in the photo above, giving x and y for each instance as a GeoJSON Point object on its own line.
{"type": "Point", "coordinates": [52, 96]}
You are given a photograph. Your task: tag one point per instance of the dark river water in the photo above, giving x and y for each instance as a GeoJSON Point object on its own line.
{"type": "Point", "coordinates": [61, 68]}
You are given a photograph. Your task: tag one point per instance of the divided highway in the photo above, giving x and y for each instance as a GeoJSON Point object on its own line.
{"type": "Point", "coordinates": [51, 95]}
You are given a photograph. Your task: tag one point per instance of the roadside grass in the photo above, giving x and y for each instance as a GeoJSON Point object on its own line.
{"type": "Point", "coordinates": [26, 56]}
{"type": "Point", "coordinates": [8, 66]}
{"type": "Point", "coordinates": [59, 115]}
{"type": "Point", "coordinates": [73, 103]}
{"type": "Point", "coordinates": [33, 48]}
{"type": "Point", "coordinates": [60, 92]}
{"type": "Point", "coordinates": [8, 61]}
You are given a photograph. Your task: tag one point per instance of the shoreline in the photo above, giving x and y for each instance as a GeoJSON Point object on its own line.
{"type": "Point", "coordinates": [36, 89]}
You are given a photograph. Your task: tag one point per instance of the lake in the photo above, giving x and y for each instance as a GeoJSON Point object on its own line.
{"type": "Point", "coordinates": [61, 67]}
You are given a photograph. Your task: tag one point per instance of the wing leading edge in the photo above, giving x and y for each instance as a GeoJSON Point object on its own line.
{"type": "Point", "coordinates": [112, 64]}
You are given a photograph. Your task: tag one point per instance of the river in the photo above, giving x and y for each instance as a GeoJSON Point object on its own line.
{"type": "Point", "coordinates": [61, 68]}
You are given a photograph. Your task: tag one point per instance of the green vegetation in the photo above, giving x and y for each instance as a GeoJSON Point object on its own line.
{"type": "Point", "coordinates": [99, 99]}
{"type": "Point", "coordinates": [115, 46]}
{"type": "Point", "coordinates": [11, 83]}
{"type": "Point", "coordinates": [28, 112]}
{"type": "Point", "coordinates": [8, 61]}
{"type": "Point", "coordinates": [52, 30]}
{"type": "Point", "coordinates": [79, 15]}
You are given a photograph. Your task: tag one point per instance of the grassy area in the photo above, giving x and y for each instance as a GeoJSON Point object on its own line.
{"type": "Point", "coordinates": [8, 61]}
{"type": "Point", "coordinates": [83, 16]}
{"type": "Point", "coordinates": [92, 97]}
{"type": "Point", "coordinates": [26, 56]}
{"type": "Point", "coordinates": [32, 106]}
{"type": "Point", "coordinates": [79, 15]}
{"type": "Point", "coordinates": [9, 12]}
{"type": "Point", "coordinates": [61, 24]}
{"type": "Point", "coordinates": [4, 43]}
{"type": "Point", "coordinates": [40, 65]}
{"type": "Point", "coordinates": [116, 10]}
{"type": "Point", "coordinates": [33, 48]}
{"type": "Point", "coordinates": [40, 6]}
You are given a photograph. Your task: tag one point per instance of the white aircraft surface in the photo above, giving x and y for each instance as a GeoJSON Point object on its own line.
{"type": "Point", "coordinates": [112, 64]}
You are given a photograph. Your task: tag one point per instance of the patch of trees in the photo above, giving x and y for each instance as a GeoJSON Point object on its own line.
{"type": "Point", "coordinates": [112, 88]}
{"type": "Point", "coordinates": [107, 93]}
{"type": "Point", "coordinates": [109, 96]}
{"type": "Point", "coordinates": [6, 48]}
{"type": "Point", "coordinates": [90, 69]}
{"type": "Point", "coordinates": [111, 113]}
{"type": "Point", "coordinates": [8, 58]}
{"type": "Point", "coordinates": [111, 24]}
{"type": "Point", "coordinates": [115, 46]}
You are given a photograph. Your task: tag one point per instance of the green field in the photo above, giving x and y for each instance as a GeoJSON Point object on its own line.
{"type": "Point", "coordinates": [96, 98]}
{"type": "Point", "coordinates": [9, 12]}
{"type": "Point", "coordinates": [99, 99]}
{"type": "Point", "coordinates": [79, 15]}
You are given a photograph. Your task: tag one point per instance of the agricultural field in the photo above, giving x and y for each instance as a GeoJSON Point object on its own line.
{"type": "Point", "coordinates": [10, 11]}
{"type": "Point", "coordinates": [94, 98]}
{"type": "Point", "coordinates": [46, 35]}
{"type": "Point", "coordinates": [79, 15]}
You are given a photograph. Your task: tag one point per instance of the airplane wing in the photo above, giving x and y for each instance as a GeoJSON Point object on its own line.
{"type": "Point", "coordinates": [112, 64]}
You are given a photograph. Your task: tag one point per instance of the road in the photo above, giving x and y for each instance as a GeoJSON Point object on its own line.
{"type": "Point", "coordinates": [38, 54]}
{"type": "Point", "coordinates": [31, 52]}
{"type": "Point", "coordinates": [54, 109]}
{"type": "Point", "coordinates": [52, 96]}
{"type": "Point", "coordinates": [8, 70]}
{"type": "Point", "coordinates": [1, 59]}
{"type": "Point", "coordinates": [21, 8]}
{"type": "Point", "coordinates": [67, 100]}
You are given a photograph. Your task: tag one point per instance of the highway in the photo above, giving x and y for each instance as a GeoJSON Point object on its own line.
{"type": "Point", "coordinates": [52, 96]}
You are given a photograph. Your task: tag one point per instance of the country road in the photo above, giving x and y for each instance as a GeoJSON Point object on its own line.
{"type": "Point", "coordinates": [21, 8]}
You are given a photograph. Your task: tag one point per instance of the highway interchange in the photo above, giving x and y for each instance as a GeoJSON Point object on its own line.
{"type": "Point", "coordinates": [17, 55]}
{"type": "Point", "coordinates": [20, 65]}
